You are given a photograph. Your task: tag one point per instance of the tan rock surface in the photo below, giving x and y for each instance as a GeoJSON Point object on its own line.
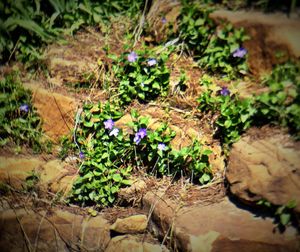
{"type": "Point", "coordinates": [56, 110]}
{"type": "Point", "coordinates": [218, 227]}
{"type": "Point", "coordinates": [130, 225]}
{"type": "Point", "coordinates": [267, 167]}
{"type": "Point", "coordinates": [58, 231]}
{"type": "Point", "coordinates": [126, 243]}
{"type": "Point", "coordinates": [14, 171]}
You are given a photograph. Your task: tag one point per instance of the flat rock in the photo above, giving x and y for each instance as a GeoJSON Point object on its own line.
{"type": "Point", "coordinates": [56, 230]}
{"type": "Point", "coordinates": [54, 174]}
{"type": "Point", "coordinates": [216, 227]}
{"type": "Point", "coordinates": [14, 171]}
{"type": "Point", "coordinates": [130, 225]}
{"type": "Point", "coordinates": [265, 167]}
{"type": "Point", "coordinates": [56, 110]}
{"type": "Point", "coordinates": [130, 243]}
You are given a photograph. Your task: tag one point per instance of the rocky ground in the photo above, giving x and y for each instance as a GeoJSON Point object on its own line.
{"type": "Point", "coordinates": [154, 214]}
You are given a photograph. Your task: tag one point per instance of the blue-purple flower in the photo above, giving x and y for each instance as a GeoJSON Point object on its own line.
{"type": "Point", "coordinates": [81, 155]}
{"type": "Point", "coordinates": [132, 57]}
{"type": "Point", "coordinates": [140, 135]}
{"type": "Point", "coordinates": [164, 20]}
{"type": "Point", "coordinates": [109, 124]}
{"type": "Point", "coordinates": [151, 62]}
{"type": "Point", "coordinates": [114, 132]}
{"type": "Point", "coordinates": [224, 91]}
{"type": "Point", "coordinates": [161, 147]}
{"type": "Point", "coordinates": [24, 108]}
{"type": "Point", "coordinates": [240, 52]}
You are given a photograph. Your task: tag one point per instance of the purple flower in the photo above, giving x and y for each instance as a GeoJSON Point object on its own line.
{"type": "Point", "coordinates": [161, 147]}
{"type": "Point", "coordinates": [109, 124]}
{"type": "Point", "coordinates": [164, 20]}
{"type": "Point", "coordinates": [81, 155]}
{"type": "Point", "coordinates": [239, 53]}
{"type": "Point", "coordinates": [224, 91]}
{"type": "Point", "coordinates": [132, 57]}
{"type": "Point", "coordinates": [151, 62]}
{"type": "Point", "coordinates": [140, 135]}
{"type": "Point", "coordinates": [24, 108]}
{"type": "Point", "coordinates": [114, 132]}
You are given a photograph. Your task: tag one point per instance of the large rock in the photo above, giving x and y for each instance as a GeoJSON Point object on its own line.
{"type": "Point", "coordinates": [56, 110]}
{"type": "Point", "coordinates": [265, 167]}
{"type": "Point", "coordinates": [55, 230]}
{"type": "Point", "coordinates": [130, 225]}
{"type": "Point", "coordinates": [216, 227]}
{"type": "Point", "coordinates": [54, 175]}
{"type": "Point", "coordinates": [126, 243]}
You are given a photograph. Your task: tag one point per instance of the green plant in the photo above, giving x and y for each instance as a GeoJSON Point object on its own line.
{"type": "Point", "coordinates": [195, 27]}
{"type": "Point", "coordinates": [234, 115]}
{"type": "Point", "coordinates": [218, 48]}
{"type": "Point", "coordinates": [283, 214]}
{"type": "Point", "coordinates": [224, 53]}
{"type": "Point", "coordinates": [141, 74]}
{"type": "Point", "coordinates": [281, 104]}
{"type": "Point", "coordinates": [20, 123]}
{"type": "Point", "coordinates": [31, 181]}
{"type": "Point", "coordinates": [109, 154]}
{"type": "Point", "coordinates": [27, 25]}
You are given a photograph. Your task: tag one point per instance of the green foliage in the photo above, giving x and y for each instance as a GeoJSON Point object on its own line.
{"type": "Point", "coordinates": [281, 104]}
{"type": "Point", "coordinates": [283, 214]}
{"type": "Point", "coordinates": [196, 27]}
{"type": "Point", "coordinates": [26, 25]}
{"type": "Point", "coordinates": [211, 44]}
{"type": "Point", "coordinates": [234, 115]}
{"type": "Point", "coordinates": [20, 123]}
{"type": "Point", "coordinates": [111, 153]}
{"type": "Point", "coordinates": [138, 79]}
{"type": "Point", "coordinates": [218, 55]}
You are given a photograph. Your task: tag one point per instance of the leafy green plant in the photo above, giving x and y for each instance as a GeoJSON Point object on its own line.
{"type": "Point", "coordinates": [218, 48]}
{"type": "Point", "coordinates": [20, 123]}
{"type": "Point", "coordinates": [141, 75]}
{"type": "Point", "coordinates": [283, 214]}
{"type": "Point", "coordinates": [26, 25]}
{"type": "Point", "coordinates": [195, 27]}
{"type": "Point", "coordinates": [109, 154]}
{"type": "Point", "coordinates": [224, 53]}
{"type": "Point", "coordinates": [234, 115]}
{"type": "Point", "coordinates": [281, 104]}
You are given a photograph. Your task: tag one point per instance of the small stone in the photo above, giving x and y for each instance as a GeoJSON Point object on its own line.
{"type": "Point", "coordinates": [130, 225]}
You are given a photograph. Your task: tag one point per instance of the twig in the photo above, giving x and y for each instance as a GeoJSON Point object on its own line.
{"type": "Point", "coordinates": [139, 28]}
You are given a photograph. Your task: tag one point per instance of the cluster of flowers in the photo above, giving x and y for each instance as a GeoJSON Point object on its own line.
{"type": "Point", "coordinates": [139, 135]}
{"type": "Point", "coordinates": [132, 57]}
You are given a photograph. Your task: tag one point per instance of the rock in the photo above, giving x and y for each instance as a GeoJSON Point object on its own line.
{"type": "Point", "coordinates": [55, 230]}
{"type": "Point", "coordinates": [14, 171]}
{"type": "Point", "coordinates": [56, 110]}
{"type": "Point", "coordinates": [265, 167]}
{"type": "Point", "coordinates": [54, 174]}
{"type": "Point", "coordinates": [130, 225]}
{"type": "Point", "coordinates": [130, 243]}
{"type": "Point", "coordinates": [220, 226]}
{"type": "Point", "coordinates": [133, 193]}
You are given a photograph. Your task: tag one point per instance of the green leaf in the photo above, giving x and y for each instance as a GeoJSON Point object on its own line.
{"type": "Point", "coordinates": [285, 218]}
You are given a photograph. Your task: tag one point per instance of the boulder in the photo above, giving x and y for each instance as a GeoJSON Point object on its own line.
{"type": "Point", "coordinates": [55, 230]}
{"type": "Point", "coordinates": [130, 243]}
{"type": "Point", "coordinates": [56, 110]}
{"type": "Point", "coordinates": [130, 225]}
{"type": "Point", "coordinates": [220, 226]}
{"type": "Point", "coordinates": [265, 167]}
